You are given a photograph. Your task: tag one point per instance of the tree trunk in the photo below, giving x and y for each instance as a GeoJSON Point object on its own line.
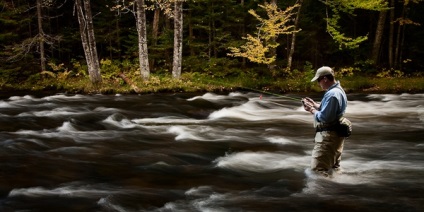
{"type": "Point", "coordinates": [178, 39]}
{"type": "Point", "coordinates": [142, 40]}
{"type": "Point", "coordinates": [273, 51]}
{"type": "Point", "coordinates": [214, 49]}
{"type": "Point", "coordinates": [243, 32]}
{"type": "Point", "coordinates": [378, 36]}
{"type": "Point", "coordinates": [41, 36]}
{"type": "Point", "coordinates": [129, 82]}
{"type": "Point", "coordinates": [85, 20]}
{"type": "Point", "coordinates": [190, 33]}
{"type": "Point", "coordinates": [155, 31]}
{"type": "Point", "coordinates": [391, 33]}
{"type": "Point", "coordinates": [155, 28]}
{"type": "Point", "coordinates": [118, 38]}
{"type": "Point", "coordinates": [293, 40]}
{"type": "Point", "coordinates": [210, 38]}
{"type": "Point", "coordinates": [83, 33]}
{"type": "Point", "coordinates": [398, 59]}
{"type": "Point", "coordinates": [92, 43]}
{"type": "Point", "coordinates": [402, 40]}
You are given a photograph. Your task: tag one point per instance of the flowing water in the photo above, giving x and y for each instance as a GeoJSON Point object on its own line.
{"type": "Point", "coordinates": [207, 152]}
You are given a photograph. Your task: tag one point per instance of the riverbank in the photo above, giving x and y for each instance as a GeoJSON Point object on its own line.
{"type": "Point", "coordinates": [191, 83]}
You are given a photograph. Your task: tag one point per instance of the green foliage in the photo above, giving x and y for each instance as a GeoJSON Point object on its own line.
{"type": "Point", "coordinates": [36, 79]}
{"type": "Point", "coordinates": [215, 24]}
{"type": "Point", "coordinates": [309, 68]}
{"type": "Point", "coordinates": [9, 75]}
{"type": "Point", "coordinates": [390, 73]}
{"type": "Point", "coordinates": [201, 82]}
{"type": "Point", "coordinates": [349, 6]}
{"type": "Point", "coordinates": [129, 66]}
{"type": "Point", "coordinates": [217, 67]}
{"type": "Point", "coordinates": [161, 50]}
{"type": "Point", "coordinates": [344, 42]}
{"type": "Point", "coordinates": [365, 65]}
{"type": "Point", "coordinates": [357, 83]}
{"type": "Point", "coordinates": [347, 71]}
{"type": "Point", "coordinates": [384, 85]}
{"type": "Point", "coordinates": [80, 70]}
{"type": "Point", "coordinates": [210, 28]}
{"type": "Point", "coordinates": [59, 72]}
{"type": "Point", "coordinates": [110, 69]}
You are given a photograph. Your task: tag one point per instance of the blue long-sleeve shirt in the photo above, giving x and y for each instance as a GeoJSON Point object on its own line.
{"type": "Point", "coordinates": [333, 105]}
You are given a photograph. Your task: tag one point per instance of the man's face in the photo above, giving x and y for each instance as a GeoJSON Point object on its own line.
{"type": "Point", "coordinates": [320, 81]}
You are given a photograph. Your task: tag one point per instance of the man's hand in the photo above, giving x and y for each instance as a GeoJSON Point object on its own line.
{"type": "Point", "coordinates": [310, 105]}
{"type": "Point", "coordinates": [311, 102]}
{"type": "Point", "coordinates": [307, 105]}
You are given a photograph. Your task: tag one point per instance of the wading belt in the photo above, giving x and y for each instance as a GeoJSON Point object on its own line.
{"type": "Point", "coordinates": [332, 126]}
{"type": "Point", "coordinates": [329, 128]}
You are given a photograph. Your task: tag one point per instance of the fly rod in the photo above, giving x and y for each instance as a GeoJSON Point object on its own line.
{"type": "Point", "coordinates": [260, 91]}
{"type": "Point", "coordinates": [273, 94]}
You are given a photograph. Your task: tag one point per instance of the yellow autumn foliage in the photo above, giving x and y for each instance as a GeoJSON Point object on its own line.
{"type": "Point", "coordinates": [258, 46]}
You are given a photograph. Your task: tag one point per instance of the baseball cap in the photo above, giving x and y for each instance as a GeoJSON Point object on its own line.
{"type": "Point", "coordinates": [325, 70]}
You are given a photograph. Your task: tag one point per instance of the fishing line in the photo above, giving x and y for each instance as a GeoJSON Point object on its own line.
{"type": "Point", "coordinates": [260, 91]}
{"type": "Point", "coordinates": [273, 94]}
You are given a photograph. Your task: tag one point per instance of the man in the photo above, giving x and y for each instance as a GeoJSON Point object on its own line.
{"type": "Point", "coordinates": [326, 154]}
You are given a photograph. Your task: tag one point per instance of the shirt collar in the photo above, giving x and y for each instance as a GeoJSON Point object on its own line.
{"type": "Point", "coordinates": [334, 85]}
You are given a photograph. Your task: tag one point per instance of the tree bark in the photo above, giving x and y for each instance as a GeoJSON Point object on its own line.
{"type": "Point", "coordinates": [155, 32]}
{"type": "Point", "coordinates": [399, 43]}
{"type": "Point", "coordinates": [155, 28]}
{"type": "Point", "coordinates": [378, 36]}
{"type": "Point", "coordinates": [85, 20]}
{"type": "Point", "coordinates": [129, 82]}
{"type": "Point", "coordinates": [142, 40]}
{"type": "Point", "coordinates": [273, 51]}
{"type": "Point", "coordinates": [209, 30]}
{"type": "Point", "coordinates": [178, 39]}
{"type": "Point", "coordinates": [391, 32]}
{"type": "Point", "coordinates": [95, 72]}
{"type": "Point", "coordinates": [243, 32]}
{"type": "Point", "coordinates": [83, 33]}
{"type": "Point", "coordinates": [190, 33]}
{"type": "Point", "coordinates": [41, 36]}
{"type": "Point", "coordinates": [293, 40]}
{"type": "Point", "coordinates": [402, 40]}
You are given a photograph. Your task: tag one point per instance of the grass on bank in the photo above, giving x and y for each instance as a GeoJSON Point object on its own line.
{"type": "Point", "coordinates": [194, 82]}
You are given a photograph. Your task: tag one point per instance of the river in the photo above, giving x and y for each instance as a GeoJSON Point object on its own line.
{"type": "Point", "coordinates": [237, 151]}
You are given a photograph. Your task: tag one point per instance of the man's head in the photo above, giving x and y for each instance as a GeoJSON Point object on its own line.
{"type": "Point", "coordinates": [323, 71]}
{"type": "Point", "coordinates": [325, 77]}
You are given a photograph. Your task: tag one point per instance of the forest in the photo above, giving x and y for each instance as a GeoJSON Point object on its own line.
{"type": "Point", "coordinates": [138, 42]}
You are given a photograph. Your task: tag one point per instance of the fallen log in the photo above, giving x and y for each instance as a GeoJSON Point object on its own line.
{"type": "Point", "coordinates": [129, 82]}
